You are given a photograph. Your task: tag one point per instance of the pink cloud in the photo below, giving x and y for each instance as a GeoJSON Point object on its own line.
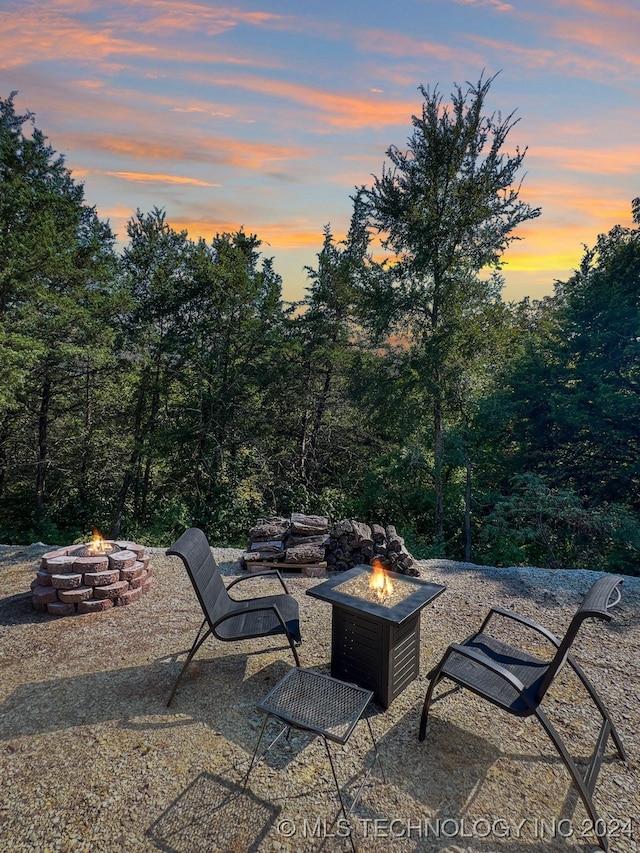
{"type": "Point", "coordinates": [497, 4]}
{"type": "Point", "coordinates": [615, 160]}
{"type": "Point", "coordinates": [152, 178]}
{"type": "Point", "coordinates": [167, 17]}
{"type": "Point", "coordinates": [337, 110]}
{"type": "Point", "coordinates": [620, 42]}
{"type": "Point", "coordinates": [279, 236]}
{"type": "Point", "coordinates": [40, 35]}
{"type": "Point", "coordinates": [49, 33]}
{"type": "Point", "coordinates": [237, 152]}
{"type": "Point", "coordinates": [401, 45]}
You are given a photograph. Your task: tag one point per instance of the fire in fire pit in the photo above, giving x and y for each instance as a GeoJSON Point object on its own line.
{"type": "Point", "coordinates": [97, 547]}
{"type": "Point", "coordinates": [377, 586]}
{"type": "Point", "coordinates": [380, 583]}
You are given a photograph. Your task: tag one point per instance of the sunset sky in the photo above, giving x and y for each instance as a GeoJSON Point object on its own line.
{"type": "Point", "coordinates": [266, 115]}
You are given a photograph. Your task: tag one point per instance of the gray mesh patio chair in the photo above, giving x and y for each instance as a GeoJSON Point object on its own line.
{"type": "Point", "coordinates": [228, 618]}
{"type": "Point", "coordinates": [517, 682]}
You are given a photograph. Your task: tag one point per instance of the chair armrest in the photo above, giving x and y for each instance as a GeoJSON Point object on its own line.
{"type": "Point", "coordinates": [523, 620]}
{"type": "Point", "coordinates": [266, 572]}
{"type": "Point", "coordinates": [478, 657]}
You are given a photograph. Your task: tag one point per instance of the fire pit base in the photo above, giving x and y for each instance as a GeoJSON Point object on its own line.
{"type": "Point", "coordinates": [381, 656]}
{"type": "Point", "coordinates": [72, 580]}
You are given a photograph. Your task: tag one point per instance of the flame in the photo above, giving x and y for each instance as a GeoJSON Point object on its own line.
{"type": "Point", "coordinates": [98, 545]}
{"type": "Point", "coordinates": [379, 582]}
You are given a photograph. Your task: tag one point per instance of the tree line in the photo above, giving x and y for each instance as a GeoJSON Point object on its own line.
{"type": "Point", "coordinates": [169, 384]}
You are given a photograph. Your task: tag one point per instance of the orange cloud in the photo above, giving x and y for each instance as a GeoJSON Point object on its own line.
{"type": "Point", "coordinates": [615, 160]}
{"type": "Point", "coordinates": [497, 4]}
{"type": "Point", "coordinates": [149, 178]}
{"type": "Point", "coordinates": [129, 146]}
{"type": "Point", "coordinates": [344, 111]}
{"type": "Point", "coordinates": [199, 17]}
{"type": "Point", "coordinates": [44, 34]}
{"type": "Point", "coordinates": [556, 241]}
{"type": "Point", "coordinates": [34, 36]}
{"type": "Point", "coordinates": [620, 42]}
{"type": "Point", "coordinates": [283, 235]}
{"type": "Point", "coordinates": [400, 45]}
{"type": "Point", "coordinates": [235, 152]}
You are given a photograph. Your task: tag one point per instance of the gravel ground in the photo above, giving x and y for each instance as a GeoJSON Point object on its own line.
{"type": "Point", "coordinates": [92, 759]}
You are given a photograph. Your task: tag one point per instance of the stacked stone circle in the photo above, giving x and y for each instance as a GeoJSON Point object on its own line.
{"type": "Point", "coordinates": [66, 584]}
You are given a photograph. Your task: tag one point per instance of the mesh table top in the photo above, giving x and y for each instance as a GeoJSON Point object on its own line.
{"type": "Point", "coordinates": [317, 703]}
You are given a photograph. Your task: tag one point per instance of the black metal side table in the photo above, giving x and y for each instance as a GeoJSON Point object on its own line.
{"type": "Point", "coordinates": [316, 703]}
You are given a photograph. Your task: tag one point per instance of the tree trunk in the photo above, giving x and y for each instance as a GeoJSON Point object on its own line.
{"type": "Point", "coordinates": [467, 510]}
{"type": "Point", "coordinates": [43, 449]}
{"type": "Point", "coordinates": [310, 435]}
{"type": "Point", "coordinates": [141, 432]}
{"type": "Point", "coordinates": [4, 461]}
{"type": "Point", "coordinates": [438, 450]}
{"type": "Point", "coordinates": [146, 485]}
{"type": "Point", "coordinates": [438, 483]}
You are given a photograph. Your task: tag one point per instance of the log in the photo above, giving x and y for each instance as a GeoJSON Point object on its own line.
{"type": "Point", "coordinates": [352, 543]}
{"type": "Point", "coordinates": [395, 543]}
{"type": "Point", "coordinates": [342, 528]}
{"type": "Point", "coordinates": [304, 554]}
{"type": "Point", "coordinates": [251, 556]}
{"type": "Point", "coordinates": [379, 534]}
{"type": "Point", "coordinates": [320, 541]}
{"type": "Point", "coordinates": [308, 525]}
{"type": "Point", "coordinates": [266, 529]}
{"type": "Point", "coordinates": [267, 547]}
{"type": "Point", "coordinates": [362, 537]}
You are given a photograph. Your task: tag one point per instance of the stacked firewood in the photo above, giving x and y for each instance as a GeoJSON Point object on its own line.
{"type": "Point", "coordinates": [299, 540]}
{"type": "Point", "coordinates": [352, 543]}
{"type": "Point", "coordinates": [307, 541]}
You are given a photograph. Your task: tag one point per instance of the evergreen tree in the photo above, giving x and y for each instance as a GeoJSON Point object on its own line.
{"type": "Point", "coordinates": [445, 208]}
{"type": "Point", "coordinates": [57, 287]}
{"type": "Point", "coordinates": [156, 278]}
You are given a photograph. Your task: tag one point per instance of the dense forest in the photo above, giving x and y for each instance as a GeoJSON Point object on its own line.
{"type": "Point", "coordinates": [165, 383]}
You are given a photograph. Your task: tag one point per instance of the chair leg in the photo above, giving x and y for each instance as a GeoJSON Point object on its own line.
{"type": "Point", "coordinates": [435, 678]}
{"type": "Point", "coordinates": [255, 753]}
{"type": "Point", "coordinates": [376, 753]}
{"type": "Point", "coordinates": [340, 797]}
{"type": "Point", "coordinates": [599, 705]}
{"type": "Point", "coordinates": [194, 648]}
{"type": "Point", "coordinates": [575, 774]}
{"type": "Point", "coordinates": [293, 649]}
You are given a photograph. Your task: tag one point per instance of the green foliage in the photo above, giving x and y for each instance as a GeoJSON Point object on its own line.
{"type": "Point", "coordinates": [399, 485]}
{"type": "Point", "coordinates": [538, 525]}
{"type": "Point", "coordinates": [567, 405]}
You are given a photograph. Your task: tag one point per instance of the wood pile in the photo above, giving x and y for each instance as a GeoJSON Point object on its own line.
{"type": "Point", "coordinates": [352, 543]}
{"type": "Point", "coordinates": [308, 543]}
{"type": "Point", "coordinates": [292, 543]}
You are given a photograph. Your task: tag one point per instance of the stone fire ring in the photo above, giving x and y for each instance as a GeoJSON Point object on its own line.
{"type": "Point", "coordinates": [68, 582]}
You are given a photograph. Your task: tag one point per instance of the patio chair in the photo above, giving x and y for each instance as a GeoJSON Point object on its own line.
{"type": "Point", "coordinates": [517, 681]}
{"type": "Point", "coordinates": [228, 618]}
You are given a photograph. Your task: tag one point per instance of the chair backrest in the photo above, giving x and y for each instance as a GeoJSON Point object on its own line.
{"type": "Point", "coordinates": [596, 604]}
{"type": "Point", "coordinates": [193, 548]}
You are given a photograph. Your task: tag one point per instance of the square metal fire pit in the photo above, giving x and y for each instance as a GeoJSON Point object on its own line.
{"type": "Point", "coordinates": [376, 644]}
